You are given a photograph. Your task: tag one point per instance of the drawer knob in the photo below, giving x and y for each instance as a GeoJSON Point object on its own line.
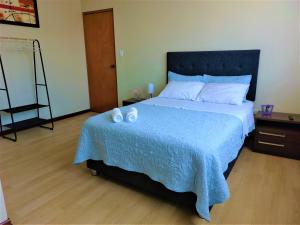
{"type": "Point", "coordinates": [272, 134]}
{"type": "Point", "coordinates": [271, 144]}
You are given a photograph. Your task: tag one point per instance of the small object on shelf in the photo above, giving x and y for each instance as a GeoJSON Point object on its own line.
{"type": "Point", "coordinates": [278, 134]}
{"type": "Point", "coordinates": [151, 89]}
{"type": "Point", "coordinates": [132, 101]}
{"type": "Point", "coordinates": [266, 110]}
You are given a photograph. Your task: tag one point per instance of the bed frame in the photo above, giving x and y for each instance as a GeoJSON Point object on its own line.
{"type": "Point", "coordinates": [238, 62]}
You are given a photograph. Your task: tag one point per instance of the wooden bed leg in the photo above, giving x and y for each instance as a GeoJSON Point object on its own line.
{"type": "Point", "coordinates": [94, 172]}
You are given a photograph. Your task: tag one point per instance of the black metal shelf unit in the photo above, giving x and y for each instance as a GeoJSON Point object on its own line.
{"type": "Point", "coordinates": [13, 127]}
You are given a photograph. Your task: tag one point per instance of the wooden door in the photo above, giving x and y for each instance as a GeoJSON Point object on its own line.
{"type": "Point", "coordinates": [101, 60]}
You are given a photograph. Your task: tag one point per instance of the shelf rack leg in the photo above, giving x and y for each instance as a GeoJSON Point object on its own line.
{"type": "Point", "coordinates": [45, 82]}
{"type": "Point", "coordinates": [9, 105]}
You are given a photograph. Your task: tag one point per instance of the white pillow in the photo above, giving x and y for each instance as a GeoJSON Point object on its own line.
{"type": "Point", "coordinates": [182, 90]}
{"type": "Point", "coordinates": [222, 93]}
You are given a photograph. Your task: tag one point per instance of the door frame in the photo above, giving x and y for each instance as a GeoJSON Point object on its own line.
{"type": "Point", "coordinates": [114, 40]}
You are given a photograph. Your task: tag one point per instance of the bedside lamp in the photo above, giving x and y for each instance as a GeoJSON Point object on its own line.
{"type": "Point", "coordinates": [151, 89]}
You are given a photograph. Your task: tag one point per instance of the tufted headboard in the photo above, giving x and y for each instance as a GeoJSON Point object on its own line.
{"type": "Point", "coordinates": [237, 62]}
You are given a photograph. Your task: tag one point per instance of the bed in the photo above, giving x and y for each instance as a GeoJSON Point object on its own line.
{"type": "Point", "coordinates": [179, 150]}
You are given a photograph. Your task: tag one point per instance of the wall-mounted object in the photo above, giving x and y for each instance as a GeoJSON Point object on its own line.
{"type": "Point", "coordinates": [121, 52]}
{"type": "Point", "coordinates": [19, 12]}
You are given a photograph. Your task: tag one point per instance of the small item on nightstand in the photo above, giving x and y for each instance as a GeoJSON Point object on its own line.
{"type": "Point", "coordinates": [151, 89]}
{"type": "Point", "coordinates": [137, 93]}
{"type": "Point", "coordinates": [291, 117]}
{"type": "Point", "coordinates": [266, 110]}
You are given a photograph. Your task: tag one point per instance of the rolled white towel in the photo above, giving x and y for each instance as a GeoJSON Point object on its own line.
{"type": "Point", "coordinates": [116, 115]}
{"type": "Point", "coordinates": [132, 115]}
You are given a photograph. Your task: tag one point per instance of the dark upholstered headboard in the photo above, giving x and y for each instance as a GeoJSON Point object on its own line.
{"type": "Point", "coordinates": [237, 62]}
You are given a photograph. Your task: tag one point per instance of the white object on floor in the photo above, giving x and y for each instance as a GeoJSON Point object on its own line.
{"type": "Point", "coordinates": [3, 214]}
{"type": "Point", "coordinates": [117, 115]}
{"type": "Point", "coordinates": [132, 115]}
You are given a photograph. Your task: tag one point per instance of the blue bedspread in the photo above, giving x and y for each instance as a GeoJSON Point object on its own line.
{"type": "Point", "coordinates": [185, 150]}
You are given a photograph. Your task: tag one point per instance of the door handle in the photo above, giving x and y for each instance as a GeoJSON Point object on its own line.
{"type": "Point", "coordinates": [113, 66]}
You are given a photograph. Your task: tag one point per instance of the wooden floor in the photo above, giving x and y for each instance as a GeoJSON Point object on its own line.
{"type": "Point", "coordinates": [42, 186]}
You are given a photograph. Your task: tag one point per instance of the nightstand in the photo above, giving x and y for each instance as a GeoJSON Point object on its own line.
{"type": "Point", "coordinates": [277, 135]}
{"type": "Point", "coordinates": [132, 101]}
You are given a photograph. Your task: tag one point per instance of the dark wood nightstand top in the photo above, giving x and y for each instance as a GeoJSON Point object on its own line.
{"type": "Point", "coordinates": [132, 101]}
{"type": "Point", "coordinates": [279, 117]}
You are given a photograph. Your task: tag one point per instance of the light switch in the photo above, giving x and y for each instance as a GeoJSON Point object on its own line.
{"type": "Point", "coordinates": [121, 52]}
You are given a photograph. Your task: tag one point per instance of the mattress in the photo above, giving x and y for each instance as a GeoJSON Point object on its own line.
{"type": "Point", "coordinates": [186, 146]}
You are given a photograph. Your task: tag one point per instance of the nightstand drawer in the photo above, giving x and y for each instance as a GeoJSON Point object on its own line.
{"type": "Point", "coordinates": [293, 137]}
{"type": "Point", "coordinates": [277, 147]}
{"type": "Point", "coordinates": [270, 131]}
{"type": "Point", "coordinates": [270, 146]}
{"type": "Point", "coordinates": [278, 135]}
{"type": "Point", "coordinates": [273, 137]}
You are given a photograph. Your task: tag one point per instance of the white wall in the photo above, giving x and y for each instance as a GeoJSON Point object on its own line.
{"type": "Point", "coordinates": [3, 214]}
{"type": "Point", "coordinates": [62, 40]}
{"type": "Point", "coordinates": [146, 30]}
{"type": "Point", "coordinates": [299, 48]}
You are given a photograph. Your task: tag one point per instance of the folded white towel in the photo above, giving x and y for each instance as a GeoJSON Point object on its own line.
{"type": "Point", "coordinates": [117, 115]}
{"type": "Point", "coordinates": [132, 115]}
